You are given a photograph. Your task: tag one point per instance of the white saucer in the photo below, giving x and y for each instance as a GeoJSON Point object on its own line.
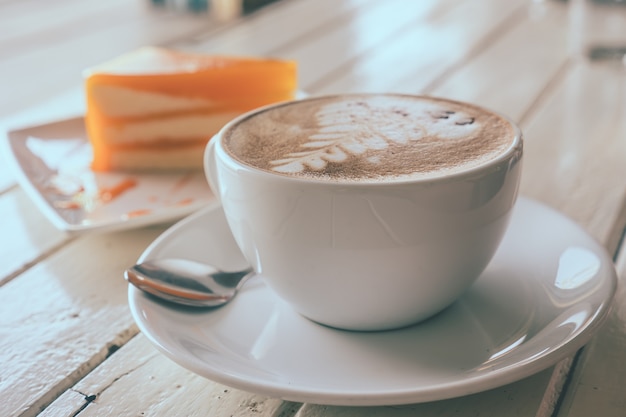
{"type": "Point", "coordinates": [544, 294]}
{"type": "Point", "coordinates": [51, 162]}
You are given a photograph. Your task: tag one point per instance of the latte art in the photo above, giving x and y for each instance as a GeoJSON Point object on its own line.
{"type": "Point", "coordinates": [369, 137]}
{"type": "Point", "coordinates": [350, 129]}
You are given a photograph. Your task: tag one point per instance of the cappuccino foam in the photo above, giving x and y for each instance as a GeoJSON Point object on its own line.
{"type": "Point", "coordinates": [369, 137]}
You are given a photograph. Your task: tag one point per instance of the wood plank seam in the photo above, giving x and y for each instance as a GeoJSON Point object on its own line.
{"type": "Point", "coordinates": [546, 92]}
{"type": "Point", "coordinates": [314, 33]}
{"type": "Point", "coordinates": [91, 398]}
{"type": "Point", "coordinates": [327, 78]}
{"type": "Point", "coordinates": [16, 46]}
{"type": "Point", "coordinates": [288, 409]}
{"type": "Point", "coordinates": [38, 259]}
{"type": "Point", "coordinates": [514, 19]}
{"type": "Point", "coordinates": [616, 240]}
{"type": "Point", "coordinates": [88, 400]}
{"type": "Point", "coordinates": [53, 394]}
{"type": "Point", "coordinates": [620, 243]}
{"type": "Point", "coordinates": [559, 383]}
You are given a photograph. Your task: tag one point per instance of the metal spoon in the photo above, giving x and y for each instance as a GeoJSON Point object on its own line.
{"type": "Point", "coordinates": [187, 282]}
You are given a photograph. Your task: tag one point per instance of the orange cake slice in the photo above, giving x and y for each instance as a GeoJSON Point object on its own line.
{"type": "Point", "coordinates": [155, 109]}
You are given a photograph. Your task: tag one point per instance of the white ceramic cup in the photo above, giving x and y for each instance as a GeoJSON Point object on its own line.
{"type": "Point", "coordinates": [366, 256]}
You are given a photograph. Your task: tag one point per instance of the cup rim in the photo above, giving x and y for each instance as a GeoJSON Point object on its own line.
{"type": "Point", "coordinates": [513, 151]}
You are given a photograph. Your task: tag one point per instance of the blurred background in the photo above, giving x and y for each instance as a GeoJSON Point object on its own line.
{"type": "Point", "coordinates": [39, 38]}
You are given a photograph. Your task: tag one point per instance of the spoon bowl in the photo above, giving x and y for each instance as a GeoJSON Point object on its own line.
{"type": "Point", "coordinates": [187, 282]}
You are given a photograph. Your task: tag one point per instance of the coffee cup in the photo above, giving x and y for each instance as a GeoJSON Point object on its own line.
{"type": "Point", "coordinates": [367, 211]}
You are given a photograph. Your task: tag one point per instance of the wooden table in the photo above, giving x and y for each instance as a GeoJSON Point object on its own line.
{"type": "Point", "coordinates": [68, 344]}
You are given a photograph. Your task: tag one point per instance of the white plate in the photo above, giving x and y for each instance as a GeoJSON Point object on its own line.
{"type": "Point", "coordinates": [544, 294]}
{"type": "Point", "coordinates": [51, 163]}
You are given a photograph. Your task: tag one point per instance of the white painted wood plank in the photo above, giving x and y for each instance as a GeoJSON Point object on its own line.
{"type": "Point", "coordinates": [575, 150]}
{"type": "Point", "coordinates": [165, 389]}
{"type": "Point", "coordinates": [346, 39]}
{"type": "Point", "coordinates": [581, 115]}
{"type": "Point", "coordinates": [26, 237]}
{"type": "Point", "coordinates": [60, 318]}
{"type": "Point", "coordinates": [69, 404]}
{"type": "Point", "coordinates": [515, 68]}
{"type": "Point", "coordinates": [418, 55]}
{"type": "Point", "coordinates": [26, 27]}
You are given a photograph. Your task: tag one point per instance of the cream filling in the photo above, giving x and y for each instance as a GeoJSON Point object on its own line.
{"type": "Point", "coordinates": [183, 128]}
{"type": "Point", "coordinates": [116, 101]}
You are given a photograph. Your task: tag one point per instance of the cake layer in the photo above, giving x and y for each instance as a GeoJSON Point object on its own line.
{"type": "Point", "coordinates": [157, 108]}
{"type": "Point", "coordinates": [180, 128]}
{"type": "Point", "coordinates": [194, 75]}
{"type": "Point", "coordinates": [122, 103]}
{"type": "Point", "coordinates": [115, 101]}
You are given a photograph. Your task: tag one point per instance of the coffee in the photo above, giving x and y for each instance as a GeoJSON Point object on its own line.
{"type": "Point", "coordinates": [369, 137]}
